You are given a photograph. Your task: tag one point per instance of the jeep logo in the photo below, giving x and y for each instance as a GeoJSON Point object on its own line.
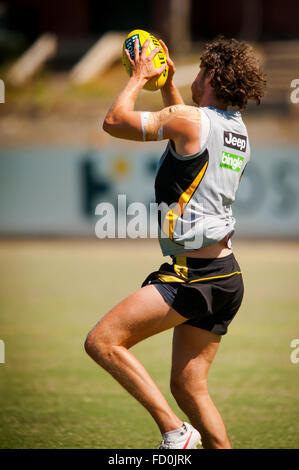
{"type": "Point", "coordinates": [235, 141]}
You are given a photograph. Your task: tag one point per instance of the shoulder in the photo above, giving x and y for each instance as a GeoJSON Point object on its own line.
{"type": "Point", "coordinates": [182, 111]}
{"type": "Point", "coordinates": [182, 123]}
{"type": "Point", "coordinates": [180, 116]}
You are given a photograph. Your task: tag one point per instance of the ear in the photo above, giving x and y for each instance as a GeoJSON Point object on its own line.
{"type": "Point", "coordinates": [210, 75]}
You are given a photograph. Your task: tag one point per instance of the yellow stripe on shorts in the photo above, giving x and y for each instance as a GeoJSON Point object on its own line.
{"type": "Point", "coordinates": [170, 278]}
{"type": "Point", "coordinates": [215, 277]}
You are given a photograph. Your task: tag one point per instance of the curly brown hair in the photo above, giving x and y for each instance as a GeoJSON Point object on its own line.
{"type": "Point", "coordinates": [238, 77]}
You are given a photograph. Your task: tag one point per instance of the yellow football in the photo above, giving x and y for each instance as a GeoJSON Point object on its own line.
{"type": "Point", "coordinates": [160, 59]}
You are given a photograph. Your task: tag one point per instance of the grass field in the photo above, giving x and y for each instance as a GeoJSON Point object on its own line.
{"type": "Point", "coordinates": [53, 395]}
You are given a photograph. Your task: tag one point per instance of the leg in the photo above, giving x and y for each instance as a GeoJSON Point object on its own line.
{"type": "Point", "coordinates": [139, 316]}
{"type": "Point", "coordinates": [193, 352]}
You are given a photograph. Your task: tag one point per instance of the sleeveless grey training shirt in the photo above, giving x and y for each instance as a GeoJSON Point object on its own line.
{"type": "Point", "coordinates": [194, 193]}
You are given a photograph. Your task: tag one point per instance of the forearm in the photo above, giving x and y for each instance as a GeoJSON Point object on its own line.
{"type": "Point", "coordinates": [171, 95]}
{"type": "Point", "coordinates": [125, 101]}
{"type": "Point", "coordinates": [121, 120]}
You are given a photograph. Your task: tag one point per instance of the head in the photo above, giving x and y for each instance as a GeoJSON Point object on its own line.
{"type": "Point", "coordinates": [230, 75]}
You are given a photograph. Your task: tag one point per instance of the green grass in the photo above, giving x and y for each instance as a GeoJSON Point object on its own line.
{"type": "Point", "coordinates": [53, 396]}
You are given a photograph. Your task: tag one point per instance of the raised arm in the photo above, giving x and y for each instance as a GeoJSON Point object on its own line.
{"type": "Point", "coordinates": [121, 120]}
{"type": "Point", "coordinates": [170, 93]}
{"type": "Point", "coordinates": [178, 122]}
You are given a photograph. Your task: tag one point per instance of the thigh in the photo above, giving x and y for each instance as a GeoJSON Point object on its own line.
{"type": "Point", "coordinates": [141, 315]}
{"type": "Point", "coordinates": [193, 352]}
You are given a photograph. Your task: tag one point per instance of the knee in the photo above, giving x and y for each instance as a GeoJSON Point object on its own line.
{"type": "Point", "coordinates": [178, 387]}
{"type": "Point", "coordinates": [96, 347]}
{"type": "Point", "coordinates": [91, 344]}
{"type": "Point", "coordinates": [183, 387]}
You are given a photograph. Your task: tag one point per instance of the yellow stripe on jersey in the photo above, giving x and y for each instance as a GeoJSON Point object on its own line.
{"type": "Point", "coordinates": [172, 215]}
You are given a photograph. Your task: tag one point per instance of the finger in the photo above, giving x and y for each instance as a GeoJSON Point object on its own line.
{"type": "Point", "coordinates": [169, 61]}
{"type": "Point", "coordinates": [164, 47]}
{"type": "Point", "coordinates": [161, 69]}
{"type": "Point", "coordinates": [129, 57]}
{"type": "Point", "coordinates": [154, 53]}
{"type": "Point", "coordinates": [136, 49]}
{"type": "Point", "coordinates": [144, 48]}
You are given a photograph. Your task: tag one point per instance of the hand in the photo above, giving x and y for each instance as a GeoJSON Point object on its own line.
{"type": "Point", "coordinates": [170, 63]}
{"type": "Point", "coordinates": [142, 66]}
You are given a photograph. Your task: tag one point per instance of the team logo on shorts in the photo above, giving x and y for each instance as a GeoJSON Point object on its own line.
{"type": "Point", "coordinates": [235, 141]}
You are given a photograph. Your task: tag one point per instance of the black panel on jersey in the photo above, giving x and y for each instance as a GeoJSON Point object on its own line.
{"type": "Point", "coordinates": [175, 176]}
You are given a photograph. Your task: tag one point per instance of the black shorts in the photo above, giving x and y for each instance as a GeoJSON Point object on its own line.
{"type": "Point", "coordinates": [207, 291]}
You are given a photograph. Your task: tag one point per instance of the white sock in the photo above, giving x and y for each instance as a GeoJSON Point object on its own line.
{"type": "Point", "coordinates": [175, 433]}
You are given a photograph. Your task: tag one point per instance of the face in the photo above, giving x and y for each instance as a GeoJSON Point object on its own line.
{"type": "Point", "coordinates": [198, 87]}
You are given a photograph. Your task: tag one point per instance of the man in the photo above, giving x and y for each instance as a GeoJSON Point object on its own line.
{"type": "Point", "coordinates": [201, 291]}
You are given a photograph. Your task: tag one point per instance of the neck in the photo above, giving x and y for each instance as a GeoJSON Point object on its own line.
{"type": "Point", "coordinates": [211, 100]}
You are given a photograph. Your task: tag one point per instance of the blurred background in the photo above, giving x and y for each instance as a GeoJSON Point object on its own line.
{"type": "Point", "coordinates": [61, 67]}
{"type": "Point", "coordinates": [60, 70]}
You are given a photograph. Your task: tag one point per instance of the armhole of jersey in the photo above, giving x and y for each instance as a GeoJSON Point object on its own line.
{"type": "Point", "coordinates": [204, 135]}
{"type": "Point", "coordinates": [204, 130]}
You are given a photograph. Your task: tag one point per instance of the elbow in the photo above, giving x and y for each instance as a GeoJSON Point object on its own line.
{"type": "Point", "coordinates": [113, 124]}
{"type": "Point", "coordinates": [108, 124]}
